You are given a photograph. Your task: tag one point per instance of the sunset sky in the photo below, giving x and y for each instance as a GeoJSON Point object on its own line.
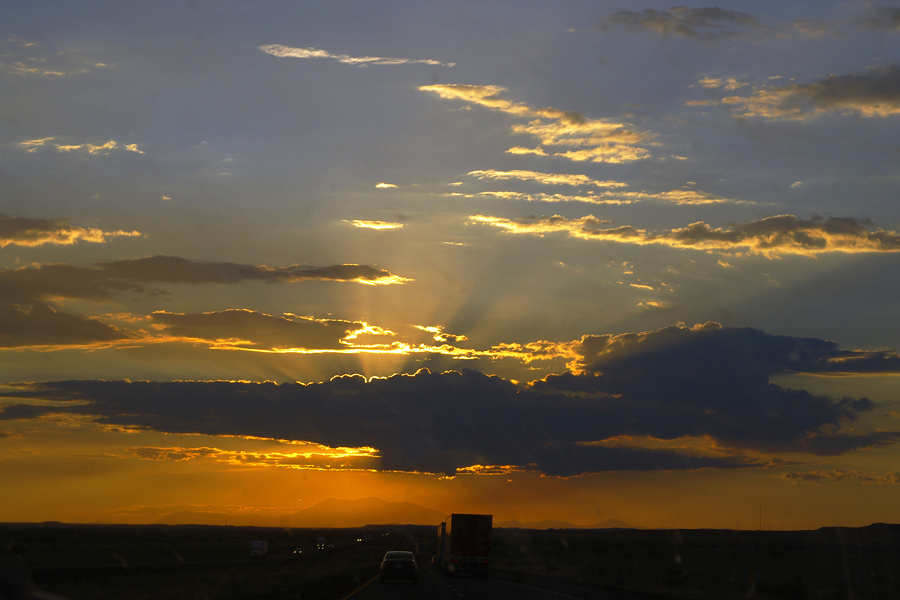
{"type": "Point", "coordinates": [578, 260]}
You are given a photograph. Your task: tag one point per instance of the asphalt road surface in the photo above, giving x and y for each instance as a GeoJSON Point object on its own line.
{"type": "Point", "coordinates": [434, 585]}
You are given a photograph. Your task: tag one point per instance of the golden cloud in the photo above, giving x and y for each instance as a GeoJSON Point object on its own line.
{"type": "Point", "coordinates": [589, 198]}
{"type": "Point", "coordinates": [771, 236]}
{"type": "Point", "coordinates": [598, 140]}
{"type": "Point", "coordinates": [680, 197]}
{"type": "Point", "coordinates": [545, 178]}
{"type": "Point", "coordinates": [522, 150]}
{"type": "Point", "coordinates": [316, 457]}
{"type": "Point", "coordinates": [606, 153]}
{"type": "Point", "coordinates": [727, 83]}
{"type": "Point", "coordinates": [440, 335]}
{"type": "Point", "coordinates": [538, 350]}
{"type": "Point", "coordinates": [18, 231]}
{"type": "Point", "coordinates": [379, 225]}
{"type": "Point", "coordinates": [93, 149]}
{"type": "Point", "coordinates": [874, 93]}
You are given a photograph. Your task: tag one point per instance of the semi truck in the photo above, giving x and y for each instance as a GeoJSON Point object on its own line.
{"type": "Point", "coordinates": [464, 544]}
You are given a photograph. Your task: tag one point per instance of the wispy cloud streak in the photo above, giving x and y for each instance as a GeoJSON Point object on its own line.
{"type": "Point", "coordinates": [357, 61]}
{"type": "Point", "coordinates": [103, 149]}
{"type": "Point", "coordinates": [29, 317]}
{"type": "Point", "coordinates": [619, 196]}
{"type": "Point", "coordinates": [20, 231]}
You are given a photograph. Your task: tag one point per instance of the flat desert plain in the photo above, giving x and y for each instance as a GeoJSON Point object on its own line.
{"type": "Point", "coordinates": [178, 561]}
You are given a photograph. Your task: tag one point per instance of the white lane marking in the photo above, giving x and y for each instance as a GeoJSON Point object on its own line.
{"type": "Point", "coordinates": [359, 589]}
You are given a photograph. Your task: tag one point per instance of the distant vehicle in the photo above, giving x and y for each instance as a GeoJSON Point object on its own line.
{"type": "Point", "coordinates": [320, 544]}
{"type": "Point", "coordinates": [298, 550]}
{"type": "Point", "coordinates": [464, 544]}
{"type": "Point", "coordinates": [259, 549]}
{"type": "Point", "coordinates": [399, 564]}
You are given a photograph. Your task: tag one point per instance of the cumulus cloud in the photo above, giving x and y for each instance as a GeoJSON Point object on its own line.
{"type": "Point", "coordinates": [20, 231]}
{"type": "Point", "coordinates": [577, 137]}
{"type": "Point", "coordinates": [872, 93]}
{"type": "Point", "coordinates": [771, 236]}
{"type": "Point", "coordinates": [704, 382]}
{"type": "Point", "coordinates": [358, 61]}
{"type": "Point", "coordinates": [697, 23]}
{"type": "Point", "coordinates": [714, 381]}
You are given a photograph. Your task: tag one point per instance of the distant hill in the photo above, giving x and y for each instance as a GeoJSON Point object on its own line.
{"type": "Point", "coordinates": [608, 524]}
{"type": "Point", "coordinates": [366, 511]}
{"type": "Point", "coordinates": [334, 512]}
{"type": "Point", "coordinates": [328, 513]}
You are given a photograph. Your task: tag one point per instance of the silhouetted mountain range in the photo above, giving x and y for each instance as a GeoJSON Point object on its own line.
{"type": "Point", "coordinates": [357, 513]}
{"type": "Point", "coordinates": [366, 511]}
{"type": "Point", "coordinates": [608, 524]}
{"type": "Point", "coordinates": [328, 513]}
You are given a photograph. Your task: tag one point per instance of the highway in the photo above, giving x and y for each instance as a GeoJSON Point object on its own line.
{"type": "Point", "coordinates": [434, 585]}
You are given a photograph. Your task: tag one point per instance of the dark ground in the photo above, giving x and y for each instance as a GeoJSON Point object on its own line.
{"type": "Point", "coordinates": [158, 561]}
{"type": "Point", "coordinates": [119, 562]}
{"type": "Point", "coordinates": [831, 563]}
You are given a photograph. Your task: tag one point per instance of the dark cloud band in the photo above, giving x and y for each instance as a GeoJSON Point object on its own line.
{"type": "Point", "coordinates": [675, 383]}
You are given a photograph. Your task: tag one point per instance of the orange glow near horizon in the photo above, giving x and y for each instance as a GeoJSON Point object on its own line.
{"type": "Point", "coordinates": [475, 286]}
{"type": "Point", "coordinates": [70, 467]}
